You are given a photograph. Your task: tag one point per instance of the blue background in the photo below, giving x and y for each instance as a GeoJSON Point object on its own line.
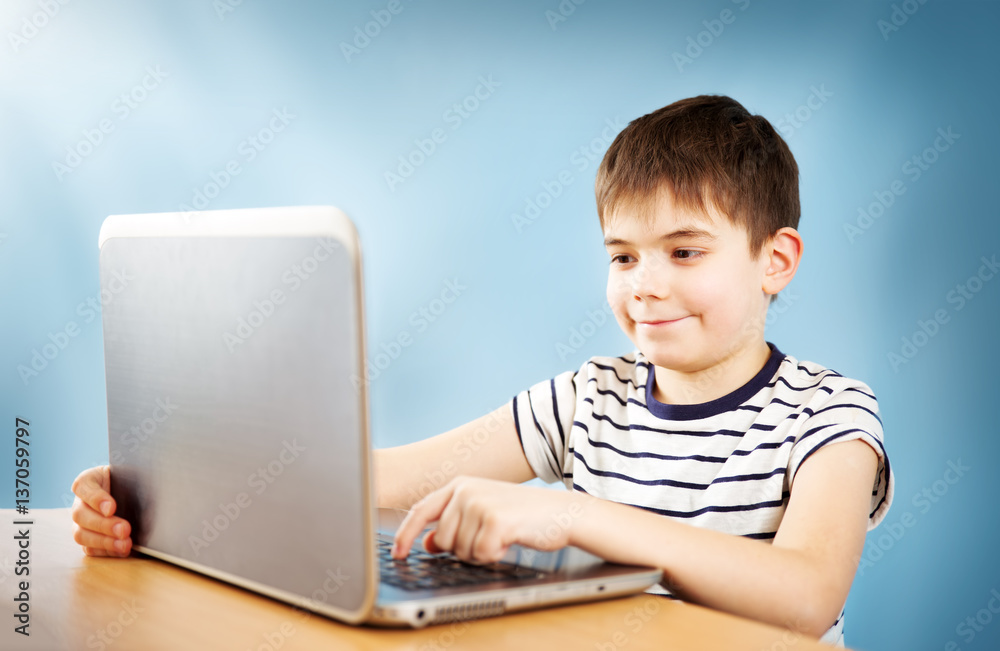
{"type": "Point", "coordinates": [558, 86]}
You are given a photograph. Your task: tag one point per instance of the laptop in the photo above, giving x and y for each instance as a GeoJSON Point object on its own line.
{"type": "Point", "coordinates": [234, 346]}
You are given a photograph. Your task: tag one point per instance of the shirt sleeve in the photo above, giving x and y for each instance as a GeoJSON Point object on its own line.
{"type": "Point", "coordinates": [848, 414]}
{"type": "Point", "coordinates": [543, 417]}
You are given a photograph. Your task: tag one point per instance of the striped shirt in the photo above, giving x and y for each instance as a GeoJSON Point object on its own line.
{"type": "Point", "coordinates": [727, 464]}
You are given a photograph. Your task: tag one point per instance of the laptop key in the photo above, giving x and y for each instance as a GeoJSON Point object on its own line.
{"type": "Point", "coordinates": [424, 571]}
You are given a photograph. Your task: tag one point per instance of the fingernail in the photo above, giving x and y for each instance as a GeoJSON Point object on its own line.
{"type": "Point", "coordinates": [120, 545]}
{"type": "Point", "coordinates": [119, 530]}
{"type": "Point", "coordinates": [106, 507]}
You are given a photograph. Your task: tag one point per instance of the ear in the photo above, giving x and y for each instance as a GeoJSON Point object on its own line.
{"type": "Point", "coordinates": [781, 257]}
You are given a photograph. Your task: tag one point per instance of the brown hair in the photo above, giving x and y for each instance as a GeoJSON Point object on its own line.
{"type": "Point", "coordinates": [706, 150]}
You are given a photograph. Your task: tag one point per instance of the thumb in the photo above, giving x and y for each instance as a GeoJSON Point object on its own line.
{"type": "Point", "coordinates": [104, 477]}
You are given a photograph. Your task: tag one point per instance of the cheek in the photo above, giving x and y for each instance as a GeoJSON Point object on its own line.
{"type": "Point", "coordinates": [615, 287]}
{"type": "Point", "coordinates": [705, 292]}
{"type": "Point", "coordinates": [716, 296]}
{"type": "Point", "coordinates": [725, 295]}
{"type": "Point", "coordinates": [618, 294]}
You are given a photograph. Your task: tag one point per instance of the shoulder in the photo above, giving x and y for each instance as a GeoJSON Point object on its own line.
{"type": "Point", "coordinates": [826, 406]}
{"type": "Point", "coordinates": [834, 409]}
{"type": "Point", "coordinates": [818, 388]}
{"type": "Point", "coordinates": [626, 364]}
{"type": "Point", "coordinates": [630, 369]}
{"type": "Point", "coordinates": [603, 375]}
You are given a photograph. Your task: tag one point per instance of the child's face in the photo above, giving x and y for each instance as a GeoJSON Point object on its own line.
{"type": "Point", "coordinates": [684, 288]}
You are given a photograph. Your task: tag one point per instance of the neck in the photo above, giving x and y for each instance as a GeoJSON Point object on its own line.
{"type": "Point", "coordinates": [720, 378]}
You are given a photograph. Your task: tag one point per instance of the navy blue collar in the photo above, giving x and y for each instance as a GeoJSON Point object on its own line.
{"type": "Point", "coordinates": [728, 402]}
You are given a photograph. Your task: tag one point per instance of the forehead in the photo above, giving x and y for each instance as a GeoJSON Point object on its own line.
{"type": "Point", "coordinates": [661, 218]}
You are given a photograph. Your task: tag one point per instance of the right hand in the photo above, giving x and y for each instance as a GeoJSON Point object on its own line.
{"type": "Point", "coordinates": [97, 529]}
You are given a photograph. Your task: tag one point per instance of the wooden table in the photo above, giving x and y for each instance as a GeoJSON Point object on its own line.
{"type": "Point", "coordinates": [76, 602]}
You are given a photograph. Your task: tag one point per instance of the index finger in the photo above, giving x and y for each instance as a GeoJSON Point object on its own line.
{"type": "Point", "coordinates": [91, 487]}
{"type": "Point", "coordinates": [421, 514]}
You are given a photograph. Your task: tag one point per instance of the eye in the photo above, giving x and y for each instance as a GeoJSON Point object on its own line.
{"type": "Point", "coordinates": [687, 254]}
{"type": "Point", "coordinates": [620, 258]}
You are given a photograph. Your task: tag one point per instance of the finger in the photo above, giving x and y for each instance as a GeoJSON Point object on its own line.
{"type": "Point", "coordinates": [421, 514]}
{"type": "Point", "coordinates": [488, 546]}
{"type": "Point", "coordinates": [102, 553]}
{"type": "Point", "coordinates": [414, 522]}
{"type": "Point", "coordinates": [88, 518]}
{"type": "Point", "coordinates": [430, 545]}
{"type": "Point", "coordinates": [95, 540]}
{"type": "Point", "coordinates": [92, 486]}
{"type": "Point", "coordinates": [465, 536]}
{"type": "Point", "coordinates": [447, 527]}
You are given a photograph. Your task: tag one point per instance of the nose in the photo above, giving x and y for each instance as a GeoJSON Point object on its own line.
{"type": "Point", "coordinates": [647, 280]}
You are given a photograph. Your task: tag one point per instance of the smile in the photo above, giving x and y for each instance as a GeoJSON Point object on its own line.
{"type": "Point", "coordinates": [659, 324]}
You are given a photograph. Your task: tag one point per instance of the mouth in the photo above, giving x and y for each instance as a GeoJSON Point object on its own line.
{"type": "Point", "coordinates": [660, 323]}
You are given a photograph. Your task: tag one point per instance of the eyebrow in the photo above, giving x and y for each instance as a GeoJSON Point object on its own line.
{"type": "Point", "coordinates": [682, 233]}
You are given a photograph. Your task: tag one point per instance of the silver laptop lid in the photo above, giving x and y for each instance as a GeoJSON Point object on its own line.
{"type": "Point", "coordinates": [234, 347]}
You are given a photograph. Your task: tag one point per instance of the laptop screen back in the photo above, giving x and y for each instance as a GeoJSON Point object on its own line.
{"type": "Point", "coordinates": [236, 417]}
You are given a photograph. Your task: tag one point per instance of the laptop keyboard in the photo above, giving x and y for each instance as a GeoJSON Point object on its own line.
{"type": "Point", "coordinates": [423, 571]}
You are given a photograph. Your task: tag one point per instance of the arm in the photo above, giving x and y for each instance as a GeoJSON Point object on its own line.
{"type": "Point", "coordinates": [486, 447]}
{"type": "Point", "coordinates": [800, 581]}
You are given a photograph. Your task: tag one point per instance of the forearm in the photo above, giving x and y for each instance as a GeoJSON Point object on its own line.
{"type": "Point", "coordinates": [485, 447]}
{"type": "Point", "coordinates": [397, 482]}
{"type": "Point", "coordinates": [380, 470]}
{"type": "Point", "coordinates": [745, 577]}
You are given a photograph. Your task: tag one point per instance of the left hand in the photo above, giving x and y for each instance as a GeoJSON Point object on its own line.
{"type": "Point", "coordinates": [479, 519]}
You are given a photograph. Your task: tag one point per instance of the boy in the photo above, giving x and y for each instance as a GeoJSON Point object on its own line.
{"type": "Point", "coordinates": [748, 476]}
